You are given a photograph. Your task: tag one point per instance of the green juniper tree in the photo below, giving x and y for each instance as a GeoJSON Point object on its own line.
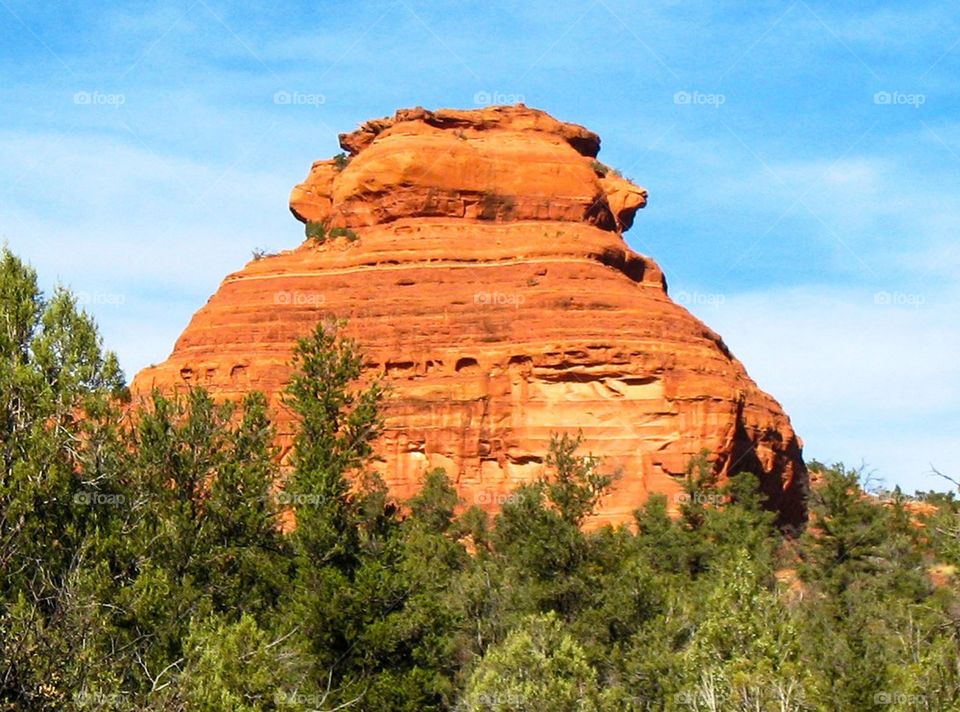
{"type": "Point", "coordinates": [539, 667]}
{"type": "Point", "coordinates": [332, 541]}
{"type": "Point", "coordinates": [198, 539]}
{"type": "Point", "coordinates": [57, 386]}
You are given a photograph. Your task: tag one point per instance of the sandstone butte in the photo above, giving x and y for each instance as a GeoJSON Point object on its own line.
{"type": "Point", "coordinates": [487, 281]}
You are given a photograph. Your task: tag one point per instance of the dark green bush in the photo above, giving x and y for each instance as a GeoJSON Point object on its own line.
{"type": "Point", "coordinates": [494, 206]}
{"type": "Point", "coordinates": [316, 231]}
{"type": "Point", "coordinates": [343, 232]}
{"type": "Point", "coordinates": [341, 161]}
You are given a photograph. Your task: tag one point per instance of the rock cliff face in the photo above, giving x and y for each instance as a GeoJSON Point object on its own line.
{"type": "Point", "coordinates": [478, 258]}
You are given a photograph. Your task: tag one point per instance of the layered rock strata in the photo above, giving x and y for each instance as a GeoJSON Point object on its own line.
{"type": "Point", "coordinates": [479, 260]}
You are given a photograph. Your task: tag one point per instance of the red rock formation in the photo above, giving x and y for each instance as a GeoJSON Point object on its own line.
{"type": "Point", "coordinates": [481, 266]}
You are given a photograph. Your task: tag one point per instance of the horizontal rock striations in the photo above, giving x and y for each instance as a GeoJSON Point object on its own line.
{"type": "Point", "coordinates": [478, 258]}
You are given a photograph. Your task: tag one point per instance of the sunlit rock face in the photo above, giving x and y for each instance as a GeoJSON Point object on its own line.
{"type": "Point", "coordinates": [479, 260]}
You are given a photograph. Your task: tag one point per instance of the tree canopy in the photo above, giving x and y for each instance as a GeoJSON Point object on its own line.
{"type": "Point", "coordinates": [148, 562]}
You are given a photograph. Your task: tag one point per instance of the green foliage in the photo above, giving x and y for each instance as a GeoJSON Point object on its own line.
{"type": "Point", "coordinates": [699, 490]}
{"type": "Point", "coordinates": [316, 231]}
{"type": "Point", "coordinates": [538, 668]}
{"type": "Point", "coordinates": [336, 425]}
{"type": "Point", "coordinates": [494, 206]}
{"type": "Point", "coordinates": [239, 666]}
{"type": "Point", "coordinates": [846, 534]}
{"type": "Point", "coordinates": [58, 394]}
{"type": "Point", "coordinates": [538, 532]}
{"type": "Point", "coordinates": [344, 232]}
{"type": "Point", "coordinates": [150, 562]}
{"type": "Point", "coordinates": [602, 169]}
{"type": "Point", "coordinates": [577, 486]}
{"type": "Point", "coordinates": [320, 232]}
{"type": "Point", "coordinates": [341, 161]}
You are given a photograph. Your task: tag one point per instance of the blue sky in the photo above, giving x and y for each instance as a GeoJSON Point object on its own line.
{"type": "Point", "coordinates": [801, 157]}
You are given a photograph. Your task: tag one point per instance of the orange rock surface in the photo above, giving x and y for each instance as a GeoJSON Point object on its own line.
{"type": "Point", "coordinates": [486, 277]}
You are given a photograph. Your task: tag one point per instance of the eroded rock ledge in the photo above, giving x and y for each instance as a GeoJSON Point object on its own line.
{"type": "Point", "coordinates": [501, 163]}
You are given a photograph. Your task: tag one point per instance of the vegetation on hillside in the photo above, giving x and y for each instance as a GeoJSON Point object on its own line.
{"type": "Point", "coordinates": [320, 232]}
{"type": "Point", "coordinates": [147, 565]}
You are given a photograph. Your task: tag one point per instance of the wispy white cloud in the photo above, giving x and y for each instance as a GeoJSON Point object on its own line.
{"type": "Point", "coordinates": [146, 237]}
